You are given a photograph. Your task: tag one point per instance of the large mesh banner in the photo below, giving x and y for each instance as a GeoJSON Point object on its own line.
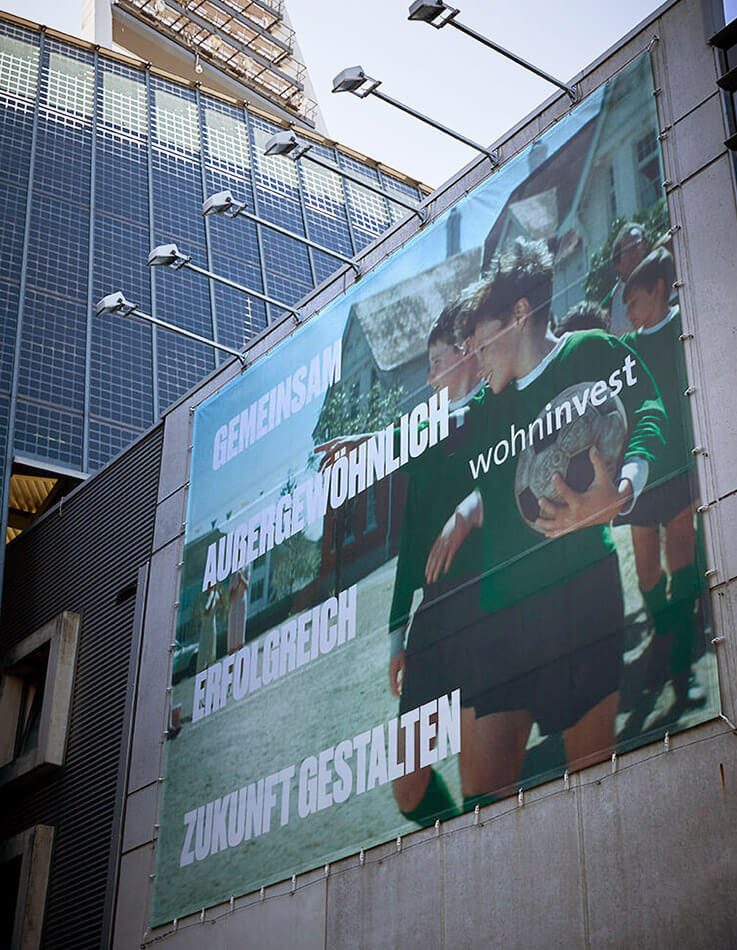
{"type": "Point", "coordinates": [442, 542]}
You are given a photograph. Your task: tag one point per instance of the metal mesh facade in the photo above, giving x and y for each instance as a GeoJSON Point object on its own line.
{"type": "Point", "coordinates": [101, 161]}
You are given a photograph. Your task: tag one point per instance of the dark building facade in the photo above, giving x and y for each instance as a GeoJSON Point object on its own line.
{"type": "Point", "coordinates": [103, 159]}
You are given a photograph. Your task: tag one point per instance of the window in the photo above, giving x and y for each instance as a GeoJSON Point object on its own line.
{"type": "Point", "coordinates": [648, 170]}
{"type": "Point", "coordinates": [35, 698]}
{"type": "Point", "coordinates": [371, 507]}
{"type": "Point", "coordinates": [349, 532]}
{"type": "Point", "coordinates": [257, 589]}
{"type": "Point", "coordinates": [24, 875]}
{"type": "Point", "coordinates": [612, 192]}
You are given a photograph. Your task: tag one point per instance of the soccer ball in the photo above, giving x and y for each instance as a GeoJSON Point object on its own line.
{"type": "Point", "coordinates": [565, 449]}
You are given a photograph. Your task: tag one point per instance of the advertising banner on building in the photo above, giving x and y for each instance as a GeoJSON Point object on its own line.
{"type": "Point", "coordinates": [442, 543]}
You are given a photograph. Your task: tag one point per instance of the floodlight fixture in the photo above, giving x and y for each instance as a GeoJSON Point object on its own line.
{"type": "Point", "coordinates": [169, 256]}
{"type": "Point", "coordinates": [287, 143]}
{"type": "Point", "coordinates": [354, 79]}
{"type": "Point", "coordinates": [278, 145]}
{"type": "Point", "coordinates": [224, 203]}
{"type": "Point", "coordinates": [438, 14]}
{"type": "Point", "coordinates": [113, 303]}
{"type": "Point", "coordinates": [116, 303]}
{"type": "Point", "coordinates": [371, 87]}
{"type": "Point", "coordinates": [434, 12]}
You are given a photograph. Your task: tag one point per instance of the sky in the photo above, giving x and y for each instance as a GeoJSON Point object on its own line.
{"type": "Point", "coordinates": [442, 73]}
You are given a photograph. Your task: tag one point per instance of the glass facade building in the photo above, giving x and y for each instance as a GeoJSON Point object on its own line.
{"type": "Point", "coordinates": [102, 159]}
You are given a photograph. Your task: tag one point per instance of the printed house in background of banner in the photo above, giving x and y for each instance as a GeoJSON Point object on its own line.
{"type": "Point", "coordinates": [431, 547]}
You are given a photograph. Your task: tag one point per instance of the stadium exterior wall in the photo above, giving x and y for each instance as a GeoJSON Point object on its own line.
{"type": "Point", "coordinates": [638, 851]}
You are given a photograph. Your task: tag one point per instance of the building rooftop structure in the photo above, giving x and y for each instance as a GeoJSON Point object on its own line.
{"type": "Point", "coordinates": [245, 48]}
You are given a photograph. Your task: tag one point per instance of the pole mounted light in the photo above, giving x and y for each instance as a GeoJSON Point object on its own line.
{"type": "Point", "coordinates": [439, 14]}
{"type": "Point", "coordinates": [354, 79]}
{"type": "Point", "coordinates": [117, 304]}
{"type": "Point", "coordinates": [287, 144]}
{"type": "Point", "coordinates": [224, 203]}
{"type": "Point", "coordinates": [169, 255]}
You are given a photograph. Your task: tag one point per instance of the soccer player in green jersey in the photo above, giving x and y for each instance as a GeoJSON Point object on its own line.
{"type": "Point", "coordinates": [550, 647]}
{"type": "Point", "coordinates": [671, 499]}
{"type": "Point", "coordinates": [430, 664]}
{"type": "Point", "coordinates": [426, 646]}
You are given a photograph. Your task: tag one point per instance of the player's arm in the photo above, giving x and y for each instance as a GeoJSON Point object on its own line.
{"type": "Point", "coordinates": [406, 580]}
{"type": "Point", "coordinates": [467, 515]}
{"type": "Point", "coordinates": [606, 498]}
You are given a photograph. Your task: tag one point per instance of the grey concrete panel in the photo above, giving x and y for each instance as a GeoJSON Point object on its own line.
{"type": "Point", "coordinates": [174, 455]}
{"type": "Point", "coordinates": [394, 900]}
{"type": "Point", "coordinates": [706, 256]}
{"type": "Point", "coordinates": [170, 515]}
{"type": "Point", "coordinates": [132, 910]}
{"type": "Point", "coordinates": [515, 881]}
{"type": "Point", "coordinates": [689, 61]}
{"type": "Point", "coordinates": [281, 921]}
{"type": "Point", "coordinates": [660, 844]}
{"type": "Point", "coordinates": [725, 609]}
{"type": "Point", "coordinates": [726, 512]}
{"type": "Point", "coordinates": [140, 817]}
{"type": "Point", "coordinates": [697, 138]}
{"type": "Point", "coordinates": [153, 679]}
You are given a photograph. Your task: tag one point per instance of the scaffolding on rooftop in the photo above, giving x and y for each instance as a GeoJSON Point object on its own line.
{"type": "Point", "coordinates": [246, 39]}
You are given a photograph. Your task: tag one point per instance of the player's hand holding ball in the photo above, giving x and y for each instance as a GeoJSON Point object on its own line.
{"type": "Point", "coordinates": [601, 502]}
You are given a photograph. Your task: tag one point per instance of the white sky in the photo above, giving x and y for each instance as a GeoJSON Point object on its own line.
{"type": "Point", "coordinates": [440, 72]}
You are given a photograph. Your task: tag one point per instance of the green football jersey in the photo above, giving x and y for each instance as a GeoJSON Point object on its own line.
{"type": "Point", "coordinates": [662, 352]}
{"type": "Point", "coordinates": [519, 562]}
{"type": "Point", "coordinates": [437, 481]}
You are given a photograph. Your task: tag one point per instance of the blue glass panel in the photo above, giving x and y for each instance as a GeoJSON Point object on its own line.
{"type": "Point", "coordinates": [4, 417]}
{"type": "Point", "coordinates": [287, 257]}
{"type": "Point", "coordinates": [105, 442]}
{"type": "Point", "coordinates": [122, 177]}
{"type": "Point", "coordinates": [395, 186]}
{"type": "Point", "coordinates": [177, 187]}
{"type": "Point", "coordinates": [239, 316]}
{"type": "Point", "coordinates": [19, 52]}
{"type": "Point", "coordinates": [237, 238]}
{"type": "Point", "coordinates": [67, 80]}
{"type": "Point", "coordinates": [121, 100]}
{"type": "Point", "coordinates": [58, 248]}
{"type": "Point", "coordinates": [181, 364]}
{"type": "Point", "coordinates": [53, 350]}
{"type": "Point", "coordinates": [271, 173]}
{"type": "Point", "coordinates": [46, 433]}
{"type": "Point", "coordinates": [16, 128]}
{"type": "Point", "coordinates": [225, 143]}
{"type": "Point", "coordinates": [121, 384]}
{"type": "Point", "coordinates": [182, 298]}
{"type": "Point", "coordinates": [368, 211]}
{"type": "Point", "coordinates": [281, 288]}
{"type": "Point", "coordinates": [8, 321]}
{"type": "Point", "coordinates": [12, 223]}
{"type": "Point", "coordinates": [63, 157]}
{"type": "Point", "coordinates": [281, 210]}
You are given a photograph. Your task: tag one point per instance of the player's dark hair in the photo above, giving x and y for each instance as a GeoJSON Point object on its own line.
{"type": "Point", "coordinates": [658, 265]}
{"type": "Point", "coordinates": [526, 270]}
{"type": "Point", "coordinates": [586, 315]}
{"type": "Point", "coordinates": [628, 236]}
{"type": "Point", "coordinates": [444, 328]}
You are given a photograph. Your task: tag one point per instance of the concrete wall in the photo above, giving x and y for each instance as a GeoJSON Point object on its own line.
{"type": "Point", "coordinates": [642, 855]}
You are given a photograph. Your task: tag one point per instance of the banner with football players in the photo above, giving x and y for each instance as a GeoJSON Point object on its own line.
{"type": "Point", "coordinates": [442, 543]}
